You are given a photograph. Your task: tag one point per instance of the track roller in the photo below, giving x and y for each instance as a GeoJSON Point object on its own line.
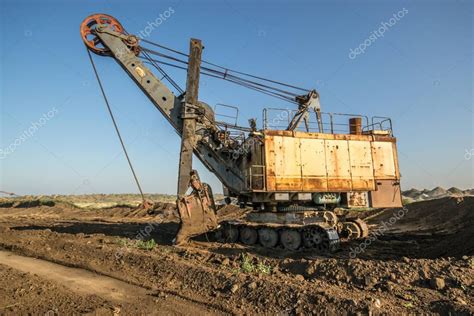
{"type": "Point", "coordinates": [248, 235]}
{"type": "Point", "coordinates": [228, 234]}
{"type": "Point", "coordinates": [290, 239]}
{"type": "Point", "coordinates": [268, 237]}
{"type": "Point", "coordinates": [310, 237]}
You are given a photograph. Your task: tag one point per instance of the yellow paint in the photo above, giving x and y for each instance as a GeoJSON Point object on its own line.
{"type": "Point", "coordinates": [321, 164]}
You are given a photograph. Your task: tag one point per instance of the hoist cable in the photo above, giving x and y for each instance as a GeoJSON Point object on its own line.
{"type": "Point", "coordinates": [235, 79]}
{"type": "Point", "coordinates": [116, 127]}
{"type": "Point", "coordinates": [165, 63]}
{"type": "Point", "coordinates": [269, 93]}
{"type": "Point", "coordinates": [224, 74]}
{"type": "Point", "coordinates": [227, 69]}
{"type": "Point", "coordinates": [260, 78]}
{"type": "Point", "coordinates": [165, 75]}
{"type": "Point", "coordinates": [164, 47]}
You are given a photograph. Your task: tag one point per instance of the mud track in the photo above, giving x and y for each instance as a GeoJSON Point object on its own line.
{"type": "Point", "coordinates": [423, 262]}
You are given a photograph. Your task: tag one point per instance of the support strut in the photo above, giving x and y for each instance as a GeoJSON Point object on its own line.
{"type": "Point", "coordinates": [196, 210]}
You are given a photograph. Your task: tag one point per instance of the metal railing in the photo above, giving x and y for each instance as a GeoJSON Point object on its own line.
{"type": "Point", "coordinates": [233, 116]}
{"type": "Point", "coordinates": [331, 123]}
{"type": "Point", "coordinates": [284, 116]}
{"type": "Point", "coordinates": [339, 126]}
{"type": "Point", "coordinates": [379, 123]}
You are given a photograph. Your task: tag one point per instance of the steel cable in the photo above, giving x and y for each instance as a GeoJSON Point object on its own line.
{"type": "Point", "coordinates": [269, 93]}
{"type": "Point", "coordinates": [165, 75]}
{"type": "Point", "coordinates": [227, 69]}
{"type": "Point", "coordinates": [116, 127]}
{"type": "Point", "coordinates": [269, 90]}
{"type": "Point", "coordinates": [226, 74]}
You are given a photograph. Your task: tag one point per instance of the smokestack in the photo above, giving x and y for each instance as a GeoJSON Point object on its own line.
{"type": "Point", "coordinates": [355, 125]}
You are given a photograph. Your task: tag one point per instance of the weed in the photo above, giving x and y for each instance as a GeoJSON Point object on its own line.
{"type": "Point", "coordinates": [247, 265]}
{"type": "Point", "coordinates": [263, 268]}
{"type": "Point", "coordinates": [146, 245]}
{"type": "Point", "coordinates": [140, 244]}
{"type": "Point", "coordinates": [236, 271]}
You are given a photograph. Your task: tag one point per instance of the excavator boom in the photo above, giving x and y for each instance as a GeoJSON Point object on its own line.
{"type": "Point", "coordinates": [197, 210]}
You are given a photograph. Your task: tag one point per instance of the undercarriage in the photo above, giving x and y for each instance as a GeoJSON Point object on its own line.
{"type": "Point", "coordinates": [321, 230]}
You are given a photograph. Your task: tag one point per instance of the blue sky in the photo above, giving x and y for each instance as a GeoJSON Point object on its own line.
{"type": "Point", "coordinates": [420, 73]}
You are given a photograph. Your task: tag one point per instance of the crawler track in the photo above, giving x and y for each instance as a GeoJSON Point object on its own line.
{"type": "Point", "coordinates": [290, 237]}
{"type": "Point", "coordinates": [318, 230]}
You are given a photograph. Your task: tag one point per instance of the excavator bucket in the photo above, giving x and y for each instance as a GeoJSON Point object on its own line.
{"type": "Point", "coordinates": [197, 211]}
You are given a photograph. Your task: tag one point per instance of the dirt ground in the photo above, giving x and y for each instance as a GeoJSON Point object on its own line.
{"type": "Point", "coordinates": [58, 259]}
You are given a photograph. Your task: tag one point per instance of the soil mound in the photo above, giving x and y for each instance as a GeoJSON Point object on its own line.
{"type": "Point", "coordinates": [447, 225]}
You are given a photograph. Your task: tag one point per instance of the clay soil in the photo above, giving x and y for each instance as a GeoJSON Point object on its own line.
{"type": "Point", "coordinates": [420, 260]}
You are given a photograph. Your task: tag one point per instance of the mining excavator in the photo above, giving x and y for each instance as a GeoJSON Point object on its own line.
{"type": "Point", "coordinates": [298, 174]}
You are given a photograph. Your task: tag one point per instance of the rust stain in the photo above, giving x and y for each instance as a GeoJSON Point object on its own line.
{"type": "Point", "coordinates": [315, 184]}
{"type": "Point", "coordinates": [315, 162]}
{"type": "Point", "coordinates": [358, 199]}
{"type": "Point", "coordinates": [362, 137]}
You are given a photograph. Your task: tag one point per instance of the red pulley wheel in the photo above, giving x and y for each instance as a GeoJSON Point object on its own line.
{"type": "Point", "coordinates": [91, 40]}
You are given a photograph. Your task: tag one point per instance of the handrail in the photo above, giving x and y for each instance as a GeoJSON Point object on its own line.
{"type": "Point", "coordinates": [329, 123]}
{"type": "Point", "coordinates": [265, 115]}
{"type": "Point", "coordinates": [235, 118]}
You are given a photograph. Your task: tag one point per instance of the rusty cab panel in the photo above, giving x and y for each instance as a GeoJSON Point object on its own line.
{"type": "Point", "coordinates": [320, 162]}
